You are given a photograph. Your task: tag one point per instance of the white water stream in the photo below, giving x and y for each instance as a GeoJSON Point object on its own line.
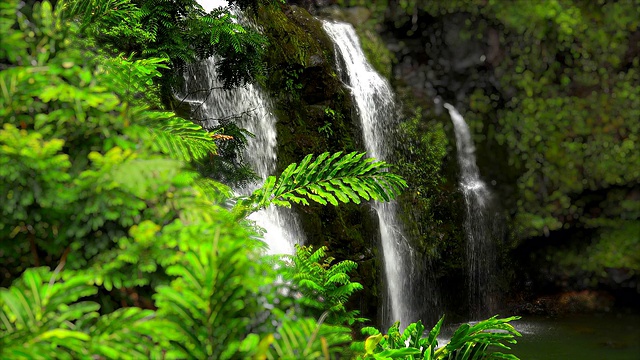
{"type": "Point", "coordinates": [478, 221]}
{"type": "Point", "coordinates": [252, 111]}
{"type": "Point", "coordinates": [376, 109]}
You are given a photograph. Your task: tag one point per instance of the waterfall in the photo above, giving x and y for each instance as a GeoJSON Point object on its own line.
{"type": "Point", "coordinates": [478, 223]}
{"type": "Point", "coordinates": [250, 109]}
{"type": "Point", "coordinates": [376, 109]}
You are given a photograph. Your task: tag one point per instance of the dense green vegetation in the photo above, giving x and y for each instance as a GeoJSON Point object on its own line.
{"type": "Point", "coordinates": [113, 245]}
{"type": "Point", "coordinates": [566, 109]}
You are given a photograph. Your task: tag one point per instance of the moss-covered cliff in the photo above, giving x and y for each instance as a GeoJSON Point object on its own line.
{"type": "Point", "coordinates": [551, 94]}
{"type": "Point", "coordinates": [316, 114]}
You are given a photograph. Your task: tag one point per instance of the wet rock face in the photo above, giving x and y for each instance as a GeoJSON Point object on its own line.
{"type": "Point", "coordinates": [317, 85]}
{"type": "Point", "coordinates": [312, 6]}
{"type": "Point", "coordinates": [451, 56]}
{"type": "Point", "coordinates": [438, 57]}
{"type": "Point", "coordinates": [569, 302]}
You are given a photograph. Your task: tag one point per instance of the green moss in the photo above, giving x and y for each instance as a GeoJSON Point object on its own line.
{"type": "Point", "coordinates": [617, 248]}
{"type": "Point", "coordinates": [295, 37]}
{"type": "Point", "coordinates": [376, 51]}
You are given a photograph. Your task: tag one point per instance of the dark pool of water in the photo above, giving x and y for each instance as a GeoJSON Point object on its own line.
{"type": "Point", "coordinates": [607, 336]}
{"type": "Point", "coordinates": [610, 336]}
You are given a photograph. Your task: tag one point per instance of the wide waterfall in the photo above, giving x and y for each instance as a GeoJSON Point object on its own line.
{"type": "Point", "coordinates": [479, 222]}
{"type": "Point", "coordinates": [250, 109]}
{"type": "Point", "coordinates": [376, 109]}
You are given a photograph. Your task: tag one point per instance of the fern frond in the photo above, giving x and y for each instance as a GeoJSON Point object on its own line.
{"type": "Point", "coordinates": [327, 179]}
{"type": "Point", "coordinates": [181, 139]}
{"type": "Point", "coordinates": [307, 339]}
{"type": "Point", "coordinates": [44, 317]}
{"type": "Point", "coordinates": [214, 191]}
{"type": "Point", "coordinates": [93, 11]}
{"type": "Point", "coordinates": [111, 335]}
{"type": "Point", "coordinates": [324, 287]}
{"type": "Point", "coordinates": [472, 340]}
{"type": "Point", "coordinates": [210, 302]}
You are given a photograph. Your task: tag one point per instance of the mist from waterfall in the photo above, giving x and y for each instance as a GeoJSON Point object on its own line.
{"type": "Point", "coordinates": [250, 109]}
{"type": "Point", "coordinates": [479, 222]}
{"type": "Point", "coordinates": [376, 109]}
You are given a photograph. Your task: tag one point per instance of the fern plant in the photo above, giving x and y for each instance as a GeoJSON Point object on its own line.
{"type": "Point", "coordinates": [215, 296]}
{"type": "Point", "coordinates": [329, 178]}
{"type": "Point", "coordinates": [469, 342]}
{"type": "Point", "coordinates": [178, 30]}
{"type": "Point", "coordinates": [179, 138]}
{"type": "Point", "coordinates": [307, 339]}
{"type": "Point", "coordinates": [98, 11]}
{"type": "Point", "coordinates": [43, 316]}
{"type": "Point", "coordinates": [325, 288]}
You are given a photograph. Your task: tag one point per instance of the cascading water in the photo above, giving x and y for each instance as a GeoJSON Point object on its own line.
{"type": "Point", "coordinates": [375, 105]}
{"type": "Point", "coordinates": [478, 223]}
{"type": "Point", "coordinates": [250, 108]}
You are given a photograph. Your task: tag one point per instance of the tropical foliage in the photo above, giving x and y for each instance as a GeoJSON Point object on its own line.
{"type": "Point", "coordinates": [178, 30]}
{"type": "Point", "coordinates": [148, 261]}
{"type": "Point", "coordinates": [45, 317]}
{"type": "Point", "coordinates": [323, 286]}
{"type": "Point", "coordinates": [468, 341]}
{"type": "Point", "coordinates": [564, 110]}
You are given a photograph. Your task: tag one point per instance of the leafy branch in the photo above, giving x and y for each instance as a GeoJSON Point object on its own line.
{"type": "Point", "coordinates": [329, 178]}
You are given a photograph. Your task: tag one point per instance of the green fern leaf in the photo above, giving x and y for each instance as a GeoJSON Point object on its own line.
{"type": "Point", "coordinates": [214, 191]}
{"type": "Point", "coordinates": [209, 304]}
{"type": "Point", "coordinates": [180, 138]}
{"type": "Point", "coordinates": [41, 317]}
{"type": "Point", "coordinates": [307, 339]}
{"type": "Point", "coordinates": [327, 179]}
{"type": "Point", "coordinates": [324, 287]}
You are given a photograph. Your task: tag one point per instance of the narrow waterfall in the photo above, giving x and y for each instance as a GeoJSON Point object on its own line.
{"type": "Point", "coordinates": [478, 223]}
{"type": "Point", "coordinates": [376, 109]}
{"type": "Point", "coordinates": [250, 109]}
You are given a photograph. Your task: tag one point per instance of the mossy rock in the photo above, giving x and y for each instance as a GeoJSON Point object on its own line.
{"type": "Point", "coordinates": [314, 112]}
{"type": "Point", "coordinates": [295, 37]}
